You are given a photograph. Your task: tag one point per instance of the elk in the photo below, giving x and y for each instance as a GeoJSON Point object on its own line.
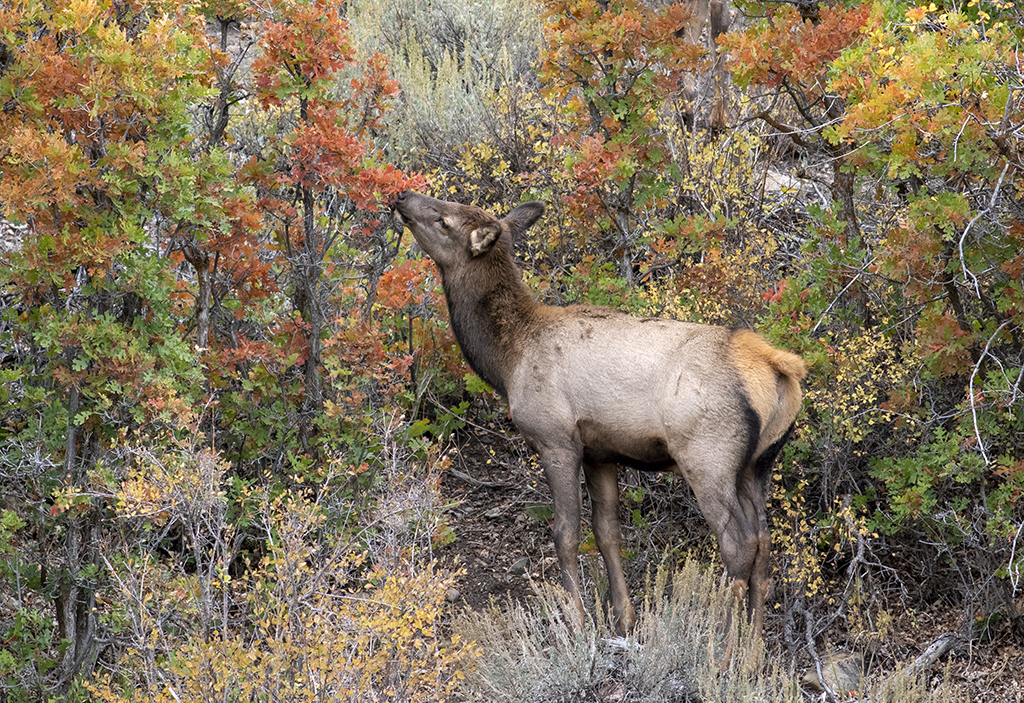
{"type": "Point", "coordinates": [593, 388]}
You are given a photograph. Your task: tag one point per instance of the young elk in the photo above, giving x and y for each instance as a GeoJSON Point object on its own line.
{"type": "Point", "coordinates": [593, 387]}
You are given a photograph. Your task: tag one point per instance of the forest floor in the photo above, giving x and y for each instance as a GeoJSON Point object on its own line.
{"type": "Point", "coordinates": [500, 510]}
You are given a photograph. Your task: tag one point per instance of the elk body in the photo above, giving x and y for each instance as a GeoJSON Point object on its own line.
{"type": "Point", "coordinates": [593, 388]}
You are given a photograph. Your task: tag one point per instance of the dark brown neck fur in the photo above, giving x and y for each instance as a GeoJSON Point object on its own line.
{"type": "Point", "coordinates": [491, 312]}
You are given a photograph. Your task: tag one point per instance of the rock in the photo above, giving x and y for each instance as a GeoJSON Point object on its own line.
{"type": "Point", "coordinates": [843, 672]}
{"type": "Point", "coordinates": [452, 595]}
{"type": "Point", "coordinates": [612, 692]}
{"type": "Point", "coordinates": [520, 567]}
{"type": "Point", "coordinates": [786, 184]}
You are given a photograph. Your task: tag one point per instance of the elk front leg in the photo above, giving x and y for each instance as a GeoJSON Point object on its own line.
{"type": "Point", "coordinates": [603, 486]}
{"type": "Point", "coordinates": [562, 470]}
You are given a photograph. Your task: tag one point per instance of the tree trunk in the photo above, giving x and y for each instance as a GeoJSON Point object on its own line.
{"type": "Point", "coordinates": [75, 604]}
{"type": "Point", "coordinates": [200, 260]}
{"type": "Point", "coordinates": [720, 19]}
{"type": "Point", "coordinates": [625, 251]}
{"type": "Point", "coordinates": [844, 185]}
{"type": "Point", "coordinates": [74, 600]}
{"type": "Point", "coordinates": [310, 306]}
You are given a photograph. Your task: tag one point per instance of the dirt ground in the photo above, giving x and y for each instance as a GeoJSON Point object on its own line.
{"type": "Point", "coordinates": [500, 514]}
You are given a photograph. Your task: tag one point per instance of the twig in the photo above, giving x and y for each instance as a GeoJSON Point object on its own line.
{"type": "Point", "coordinates": [836, 299]}
{"type": "Point", "coordinates": [827, 693]}
{"type": "Point", "coordinates": [1014, 572]}
{"type": "Point", "coordinates": [991, 204]}
{"type": "Point", "coordinates": [970, 385]}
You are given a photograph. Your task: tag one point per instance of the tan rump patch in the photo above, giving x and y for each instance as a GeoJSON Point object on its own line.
{"type": "Point", "coordinates": [771, 379]}
{"type": "Point", "coordinates": [750, 350]}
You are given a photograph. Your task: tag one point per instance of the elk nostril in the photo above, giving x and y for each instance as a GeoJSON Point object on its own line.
{"type": "Point", "coordinates": [401, 196]}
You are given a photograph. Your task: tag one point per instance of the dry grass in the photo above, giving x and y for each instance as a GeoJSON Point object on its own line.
{"type": "Point", "coordinates": [531, 653]}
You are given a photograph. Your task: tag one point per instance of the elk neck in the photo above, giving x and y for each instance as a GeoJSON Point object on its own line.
{"type": "Point", "coordinates": [492, 313]}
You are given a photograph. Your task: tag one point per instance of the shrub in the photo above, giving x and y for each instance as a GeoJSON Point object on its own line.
{"type": "Point", "coordinates": [531, 652]}
{"type": "Point", "coordinates": [279, 595]}
{"type": "Point", "coordinates": [450, 59]}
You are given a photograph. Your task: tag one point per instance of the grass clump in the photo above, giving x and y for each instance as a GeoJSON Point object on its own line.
{"type": "Point", "coordinates": [530, 652]}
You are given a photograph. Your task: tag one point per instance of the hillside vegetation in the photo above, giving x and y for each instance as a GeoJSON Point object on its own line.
{"type": "Point", "coordinates": [230, 399]}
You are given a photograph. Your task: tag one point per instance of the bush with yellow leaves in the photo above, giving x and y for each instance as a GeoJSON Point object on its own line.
{"type": "Point", "coordinates": [269, 598]}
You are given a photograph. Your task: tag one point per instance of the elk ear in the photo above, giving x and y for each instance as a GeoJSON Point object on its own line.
{"type": "Point", "coordinates": [483, 238]}
{"type": "Point", "coordinates": [523, 217]}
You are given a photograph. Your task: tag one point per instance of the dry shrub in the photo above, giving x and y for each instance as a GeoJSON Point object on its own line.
{"type": "Point", "coordinates": [529, 652]}
{"type": "Point", "coordinates": [275, 593]}
{"type": "Point", "coordinates": [450, 59]}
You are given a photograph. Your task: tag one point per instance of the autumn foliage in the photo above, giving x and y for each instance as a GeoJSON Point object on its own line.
{"type": "Point", "coordinates": [225, 377]}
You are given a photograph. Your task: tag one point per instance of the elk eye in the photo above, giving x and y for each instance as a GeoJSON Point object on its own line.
{"type": "Point", "coordinates": [440, 221]}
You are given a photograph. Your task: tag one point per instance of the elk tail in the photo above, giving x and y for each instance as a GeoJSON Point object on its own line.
{"type": "Point", "coordinates": [787, 364]}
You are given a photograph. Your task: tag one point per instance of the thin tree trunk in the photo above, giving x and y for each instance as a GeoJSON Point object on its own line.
{"type": "Point", "coordinates": [204, 298]}
{"type": "Point", "coordinates": [308, 278]}
{"type": "Point", "coordinates": [625, 251]}
{"type": "Point", "coordinates": [73, 603]}
{"type": "Point", "coordinates": [844, 185]}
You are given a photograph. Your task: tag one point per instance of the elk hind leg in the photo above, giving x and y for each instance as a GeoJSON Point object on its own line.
{"type": "Point", "coordinates": [718, 495]}
{"type": "Point", "coordinates": [752, 491]}
{"type": "Point", "coordinates": [735, 528]}
{"type": "Point", "coordinates": [739, 542]}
